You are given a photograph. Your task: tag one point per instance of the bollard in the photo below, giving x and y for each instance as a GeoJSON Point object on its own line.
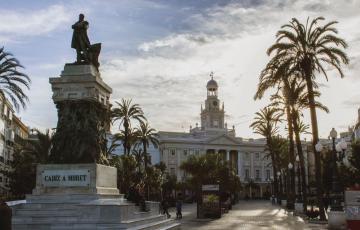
{"type": "Point", "coordinates": [5, 216]}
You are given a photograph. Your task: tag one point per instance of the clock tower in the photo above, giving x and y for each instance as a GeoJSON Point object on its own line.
{"type": "Point", "coordinates": [212, 116]}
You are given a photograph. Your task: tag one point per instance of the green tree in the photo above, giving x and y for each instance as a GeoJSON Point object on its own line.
{"type": "Point", "coordinates": [218, 172]}
{"type": "Point", "coordinates": [308, 49]}
{"type": "Point", "coordinates": [127, 175]}
{"type": "Point", "coordinates": [125, 113]}
{"type": "Point", "coordinates": [146, 135]}
{"type": "Point", "coordinates": [265, 124]}
{"type": "Point", "coordinates": [23, 174]}
{"type": "Point", "coordinates": [12, 80]}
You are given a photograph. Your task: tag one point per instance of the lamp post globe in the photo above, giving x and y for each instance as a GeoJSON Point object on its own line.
{"type": "Point", "coordinates": [297, 159]}
{"type": "Point", "coordinates": [333, 133]}
{"type": "Point", "coordinates": [278, 173]}
{"type": "Point", "coordinates": [290, 166]}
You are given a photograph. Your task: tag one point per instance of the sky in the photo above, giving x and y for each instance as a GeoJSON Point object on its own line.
{"type": "Point", "coordinates": [160, 53]}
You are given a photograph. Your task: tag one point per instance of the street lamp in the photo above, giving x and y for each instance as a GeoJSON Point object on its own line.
{"type": "Point", "coordinates": [280, 188]}
{"type": "Point", "coordinates": [297, 159]}
{"type": "Point", "coordinates": [290, 202]}
{"type": "Point", "coordinates": [336, 189]}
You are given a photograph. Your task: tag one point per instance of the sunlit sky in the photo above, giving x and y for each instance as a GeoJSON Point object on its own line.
{"type": "Point", "coordinates": [160, 54]}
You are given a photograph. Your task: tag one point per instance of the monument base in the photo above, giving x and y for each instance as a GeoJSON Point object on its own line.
{"type": "Point", "coordinates": [83, 196]}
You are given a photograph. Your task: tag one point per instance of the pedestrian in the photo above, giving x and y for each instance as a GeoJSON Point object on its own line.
{"type": "Point", "coordinates": [326, 201]}
{"type": "Point", "coordinates": [179, 207]}
{"type": "Point", "coordinates": [165, 207]}
{"type": "Point", "coordinates": [5, 216]}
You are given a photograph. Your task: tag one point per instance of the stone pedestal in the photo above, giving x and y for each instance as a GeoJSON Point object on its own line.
{"type": "Point", "coordinates": [80, 82]}
{"type": "Point", "coordinates": [83, 196]}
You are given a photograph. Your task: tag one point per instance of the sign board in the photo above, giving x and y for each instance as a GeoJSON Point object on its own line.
{"type": "Point", "coordinates": [210, 187]}
{"type": "Point", "coordinates": [210, 201]}
{"type": "Point", "coordinates": [352, 205]}
{"type": "Point", "coordinates": [65, 178]}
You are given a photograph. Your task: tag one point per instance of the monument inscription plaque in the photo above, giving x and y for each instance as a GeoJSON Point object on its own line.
{"type": "Point", "coordinates": [65, 178]}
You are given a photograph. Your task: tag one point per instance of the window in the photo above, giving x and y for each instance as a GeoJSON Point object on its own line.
{"type": "Point", "coordinates": [172, 151]}
{"type": "Point", "coordinates": [257, 156]}
{"type": "Point", "coordinates": [257, 174]}
{"type": "Point", "coordinates": [267, 174]}
{"type": "Point", "coordinates": [247, 156]}
{"type": "Point", "coordinates": [247, 174]}
{"type": "Point", "coordinates": [185, 152]}
{"type": "Point", "coordinates": [197, 152]}
{"type": "Point", "coordinates": [172, 171]}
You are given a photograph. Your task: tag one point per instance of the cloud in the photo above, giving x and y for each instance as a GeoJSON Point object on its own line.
{"type": "Point", "coordinates": [31, 23]}
{"type": "Point", "coordinates": [169, 74]}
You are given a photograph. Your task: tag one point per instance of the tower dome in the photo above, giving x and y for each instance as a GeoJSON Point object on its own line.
{"type": "Point", "coordinates": [212, 86]}
{"type": "Point", "coordinates": [212, 83]}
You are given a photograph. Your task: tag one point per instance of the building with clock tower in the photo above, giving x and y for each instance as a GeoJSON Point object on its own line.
{"type": "Point", "coordinates": [245, 156]}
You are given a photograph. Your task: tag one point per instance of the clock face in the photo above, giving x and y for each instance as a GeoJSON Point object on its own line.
{"type": "Point", "coordinates": [215, 103]}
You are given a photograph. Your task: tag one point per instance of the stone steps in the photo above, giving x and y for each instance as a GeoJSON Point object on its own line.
{"type": "Point", "coordinates": [67, 223]}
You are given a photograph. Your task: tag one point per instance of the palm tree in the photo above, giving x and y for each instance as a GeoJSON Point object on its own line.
{"type": "Point", "coordinates": [125, 113]}
{"type": "Point", "coordinates": [265, 124]}
{"type": "Point", "coordinates": [12, 80]}
{"type": "Point", "coordinates": [146, 135]}
{"type": "Point", "coordinates": [308, 49]}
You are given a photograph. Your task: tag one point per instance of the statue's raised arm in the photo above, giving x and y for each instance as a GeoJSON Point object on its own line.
{"type": "Point", "coordinates": [85, 52]}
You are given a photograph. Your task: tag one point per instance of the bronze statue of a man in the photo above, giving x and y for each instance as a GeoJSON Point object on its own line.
{"type": "Point", "coordinates": [80, 40]}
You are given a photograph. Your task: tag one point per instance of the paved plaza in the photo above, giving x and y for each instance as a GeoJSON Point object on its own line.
{"type": "Point", "coordinates": [247, 215]}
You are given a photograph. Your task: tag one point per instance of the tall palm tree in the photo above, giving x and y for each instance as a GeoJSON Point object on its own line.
{"type": "Point", "coordinates": [125, 113]}
{"type": "Point", "coordinates": [309, 49]}
{"type": "Point", "coordinates": [146, 135]}
{"type": "Point", "coordinates": [12, 80]}
{"type": "Point", "coordinates": [296, 98]}
{"type": "Point", "coordinates": [265, 124]}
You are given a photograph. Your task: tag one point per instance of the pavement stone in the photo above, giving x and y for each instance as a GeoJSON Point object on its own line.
{"type": "Point", "coordinates": [246, 215]}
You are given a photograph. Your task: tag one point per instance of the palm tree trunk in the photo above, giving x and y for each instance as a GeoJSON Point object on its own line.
{"type": "Point", "coordinates": [301, 157]}
{"type": "Point", "coordinates": [315, 134]}
{"type": "Point", "coordinates": [273, 160]}
{"type": "Point", "coordinates": [145, 168]}
{"type": "Point", "coordinates": [125, 144]}
{"type": "Point", "coordinates": [291, 156]}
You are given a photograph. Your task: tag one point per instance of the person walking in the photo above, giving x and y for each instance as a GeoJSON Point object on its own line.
{"type": "Point", "coordinates": [165, 207]}
{"type": "Point", "coordinates": [179, 207]}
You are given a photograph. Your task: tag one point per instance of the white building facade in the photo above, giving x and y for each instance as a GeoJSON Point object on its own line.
{"type": "Point", "coordinates": [246, 156]}
{"type": "Point", "coordinates": [6, 143]}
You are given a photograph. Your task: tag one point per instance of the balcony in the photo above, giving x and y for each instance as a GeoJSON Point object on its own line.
{"type": "Point", "coordinates": [9, 135]}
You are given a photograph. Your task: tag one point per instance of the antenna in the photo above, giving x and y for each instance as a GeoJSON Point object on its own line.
{"type": "Point", "coordinates": [212, 75]}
